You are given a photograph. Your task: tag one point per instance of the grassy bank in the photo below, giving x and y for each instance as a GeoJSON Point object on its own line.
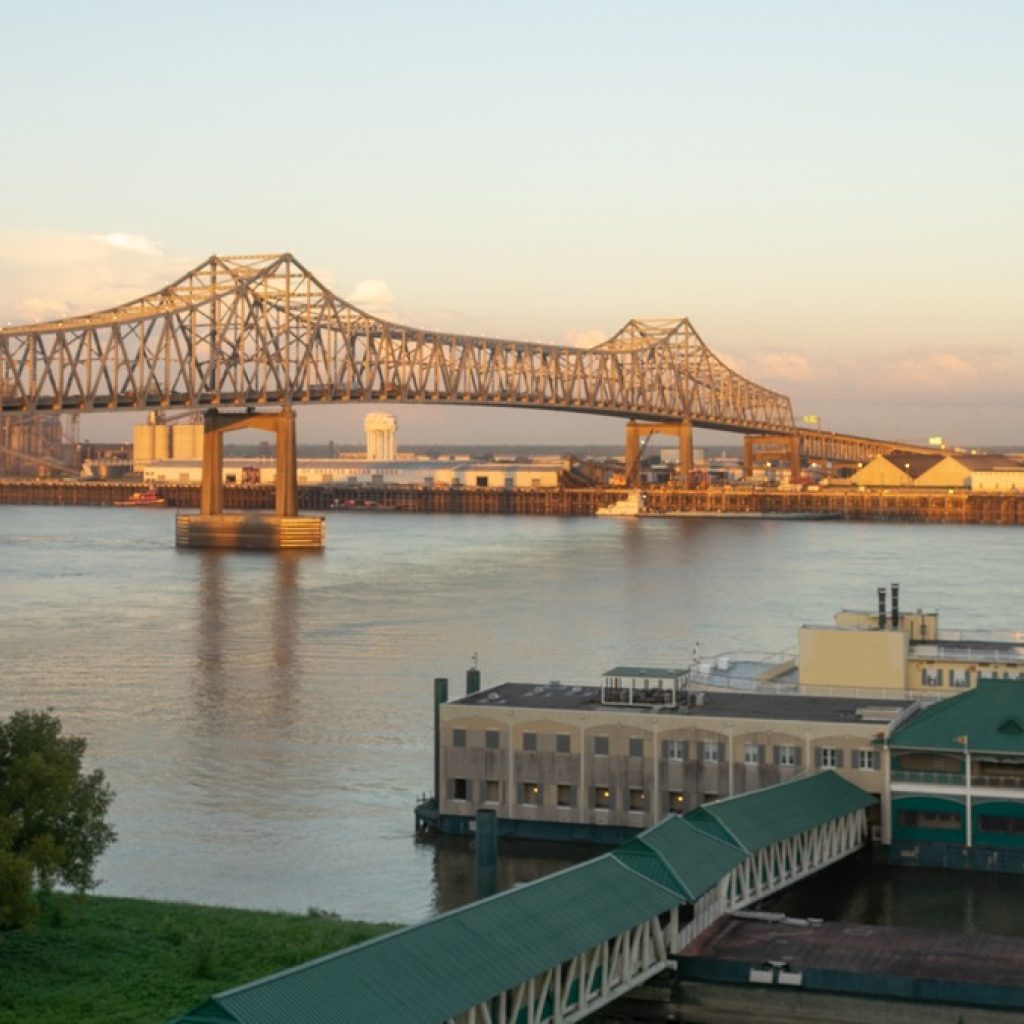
{"type": "Point", "coordinates": [102, 960]}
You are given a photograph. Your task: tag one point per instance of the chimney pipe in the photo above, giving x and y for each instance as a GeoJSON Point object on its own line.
{"type": "Point", "coordinates": [881, 607]}
{"type": "Point", "coordinates": [895, 605]}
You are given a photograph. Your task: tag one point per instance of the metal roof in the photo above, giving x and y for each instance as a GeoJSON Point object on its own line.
{"type": "Point", "coordinates": [443, 966]}
{"type": "Point", "coordinates": [688, 857]}
{"type": "Point", "coordinates": [646, 673]}
{"type": "Point", "coordinates": [437, 969]}
{"type": "Point", "coordinates": [991, 717]}
{"type": "Point", "coordinates": [766, 816]}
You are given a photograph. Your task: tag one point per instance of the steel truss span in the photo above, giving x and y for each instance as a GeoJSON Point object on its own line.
{"type": "Point", "coordinates": [257, 330]}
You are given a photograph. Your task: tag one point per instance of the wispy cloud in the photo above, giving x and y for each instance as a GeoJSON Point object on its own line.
{"type": "Point", "coordinates": [585, 338]}
{"type": "Point", "coordinates": [44, 275]}
{"type": "Point", "coordinates": [373, 296]}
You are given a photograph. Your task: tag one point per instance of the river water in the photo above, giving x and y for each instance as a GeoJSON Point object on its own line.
{"type": "Point", "coordinates": [265, 718]}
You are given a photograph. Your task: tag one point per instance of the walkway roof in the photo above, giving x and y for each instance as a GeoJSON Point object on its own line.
{"type": "Point", "coordinates": [439, 968]}
{"type": "Point", "coordinates": [766, 816]}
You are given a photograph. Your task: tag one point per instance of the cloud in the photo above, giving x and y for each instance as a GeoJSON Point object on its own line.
{"type": "Point", "coordinates": [773, 368]}
{"type": "Point", "coordinates": [585, 339]}
{"type": "Point", "coordinates": [373, 296]}
{"type": "Point", "coordinates": [46, 275]}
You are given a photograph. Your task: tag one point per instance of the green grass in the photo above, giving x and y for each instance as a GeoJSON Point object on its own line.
{"type": "Point", "coordinates": [101, 960]}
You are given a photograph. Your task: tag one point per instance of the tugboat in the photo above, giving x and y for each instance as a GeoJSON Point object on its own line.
{"type": "Point", "coordinates": [143, 499]}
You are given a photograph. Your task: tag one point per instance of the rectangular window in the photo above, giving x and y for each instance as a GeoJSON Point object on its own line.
{"type": "Point", "coordinates": [529, 741]}
{"type": "Point", "coordinates": [601, 745]}
{"type": "Point", "coordinates": [960, 678]}
{"type": "Point", "coordinates": [829, 757]}
{"type": "Point", "coordinates": [458, 737]}
{"type": "Point", "coordinates": [1001, 823]}
{"type": "Point", "coordinates": [481, 481]}
{"type": "Point", "coordinates": [787, 757]}
{"type": "Point", "coordinates": [950, 820]}
{"type": "Point", "coordinates": [563, 743]}
{"type": "Point", "coordinates": [636, 746]}
{"type": "Point", "coordinates": [675, 750]}
{"type": "Point", "coordinates": [709, 751]}
{"type": "Point", "coordinates": [460, 789]}
{"type": "Point", "coordinates": [676, 802]}
{"type": "Point", "coordinates": [602, 796]}
{"type": "Point", "coordinates": [493, 791]}
{"type": "Point", "coordinates": [931, 676]}
{"type": "Point", "coordinates": [492, 739]}
{"type": "Point", "coordinates": [637, 800]}
{"type": "Point", "coordinates": [867, 760]}
{"type": "Point", "coordinates": [565, 798]}
{"type": "Point", "coordinates": [751, 753]}
{"type": "Point", "coordinates": [530, 793]}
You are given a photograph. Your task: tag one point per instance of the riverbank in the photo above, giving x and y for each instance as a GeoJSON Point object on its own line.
{"type": "Point", "coordinates": [107, 960]}
{"type": "Point", "coordinates": [912, 505]}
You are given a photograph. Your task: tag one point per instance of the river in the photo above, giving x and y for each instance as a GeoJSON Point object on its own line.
{"type": "Point", "coordinates": [265, 718]}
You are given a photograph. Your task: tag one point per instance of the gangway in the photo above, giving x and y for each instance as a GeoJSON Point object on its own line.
{"type": "Point", "coordinates": [557, 950]}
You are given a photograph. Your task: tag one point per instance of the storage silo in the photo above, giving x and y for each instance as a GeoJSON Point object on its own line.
{"type": "Point", "coordinates": [142, 444]}
{"type": "Point", "coordinates": [187, 441]}
{"type": "Point", "coordinates": [161, 442]}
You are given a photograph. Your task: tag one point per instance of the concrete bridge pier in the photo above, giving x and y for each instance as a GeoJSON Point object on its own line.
{"type": "Point", "coordinates": [637, 432]}
{"type": "Point", "coordinates": [766, 449]}
{"type": "Point", "coordinates": [215, 528]}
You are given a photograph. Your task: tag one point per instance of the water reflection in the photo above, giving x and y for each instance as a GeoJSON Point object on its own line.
{"type": "Point", "coordinates": [519, 861]}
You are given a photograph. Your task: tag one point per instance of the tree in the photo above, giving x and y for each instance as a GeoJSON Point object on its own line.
{"type": "Point", "coordinates": [53, 824]}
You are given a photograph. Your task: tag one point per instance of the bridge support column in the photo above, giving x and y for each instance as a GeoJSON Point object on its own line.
{"type": "Point", "coordinates": [685, 431]}
{"type": "Point", "coordinates": [795, 471]}
{"type": "Point", "coordinates": [285, 528]}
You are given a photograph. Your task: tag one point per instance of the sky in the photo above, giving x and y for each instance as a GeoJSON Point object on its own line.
{"type": "Point", "coordinates": [831, 192]}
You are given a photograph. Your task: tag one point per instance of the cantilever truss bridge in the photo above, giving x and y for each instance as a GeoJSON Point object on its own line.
{"type": "Point", "coordinates": [249, 331]}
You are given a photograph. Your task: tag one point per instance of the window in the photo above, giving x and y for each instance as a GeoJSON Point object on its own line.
{"type": "Point", "coordinates": [529, 741]}
{"type": "Point", "coordinates": [960, 678]}
{"type": "Point", "coordinates": [676, 802]}
{"type": "Point", "coordinates": [636, 746]}
{"type": "Point", "coordinates": [563, 743]}
{"type": "Point", "coordinates": [458, 737]}
{"type": "Point", "coordinates": [493, 791]}
{"type": "Point", "coordinates": [929, 819]}
{"type": "Point", "coordinates": [1001, 823]}
{"type": "Point", "coordinates": [481, 481]}
{"type": "Point", "coordinates": [602, 797]}
{"type": "Point", "coordinates": [531, 793]}
{"type": "Point", "coordinates": [601, 745]}
{"type": "Point", "coordinates": [867, 760]}
{"type": "Point", "coordinates": [828, 757]}
{"type": "Point", "coordinates": [931, 677]}
{"type": "Point", "coordinates": [787, 757]}
{"type": "Point", "coordinates": [710, 752]}
{"type": "Point", "coordinates": [565, 797]}
{"type": "Point", "coordinates": [460, 789]}
{"type": "Point", "coordinates": [491, 739]}
{"type": "Point", "coordinates": [751, 753]}
{"type": "Point", "coordinates": [637, 800]}
{"type": "Point", "coordinates": [675, 750]}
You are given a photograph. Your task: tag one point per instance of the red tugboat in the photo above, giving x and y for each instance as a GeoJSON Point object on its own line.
{"type": "Point", "coordinates": [143, 499]}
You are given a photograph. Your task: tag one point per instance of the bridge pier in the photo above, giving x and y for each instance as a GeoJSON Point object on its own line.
{"type": "Point", "coordinates": [758, 448]}
{"type": "Point", "coordinates": [635, 431]}
{"type": "Point", "coordinates": [215, 528]}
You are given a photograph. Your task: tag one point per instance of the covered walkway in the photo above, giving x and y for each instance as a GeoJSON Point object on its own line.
{"type": "Point", "coordinates": [557, 950]}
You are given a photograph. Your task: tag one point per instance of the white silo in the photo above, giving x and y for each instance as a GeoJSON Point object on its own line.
{"type": "Point", "coordinates": [380, 430]}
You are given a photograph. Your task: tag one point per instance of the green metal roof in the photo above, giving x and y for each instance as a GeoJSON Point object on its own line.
{"type": "Point", "coordinates": [766, 816]}
{"type": "Point", "coordinates": [434, 970]}
{"type": "Point", "coordinates": [646, 673]}
{"type": "Point", "coordinates": [688, 858]}
{"type": "Point", "coordinates": [991, 717]}
{"type": "Point", "coordinates": [437, 969]}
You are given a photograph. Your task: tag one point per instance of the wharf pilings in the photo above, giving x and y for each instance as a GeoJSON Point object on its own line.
{"type": "Point", "coordinates": [909, 505]}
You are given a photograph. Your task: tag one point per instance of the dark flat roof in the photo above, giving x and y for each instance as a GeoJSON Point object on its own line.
{"type": "Point", "coordinates": [717, 705]}
{"type": "Point", "coordinates": [869, 949]}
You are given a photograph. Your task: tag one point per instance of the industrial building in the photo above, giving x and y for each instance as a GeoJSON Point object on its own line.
{"type": "Point", "coordinates": [939, 470]}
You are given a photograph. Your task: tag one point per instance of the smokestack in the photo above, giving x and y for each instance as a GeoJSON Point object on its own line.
{"type": "Point", "coordinates": [881, 607]}
{"type": "Point", "coordinates": [895, 605]}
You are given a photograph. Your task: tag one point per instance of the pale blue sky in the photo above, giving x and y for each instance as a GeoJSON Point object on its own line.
{"type": "Point", "coordinates": [830, 191]}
